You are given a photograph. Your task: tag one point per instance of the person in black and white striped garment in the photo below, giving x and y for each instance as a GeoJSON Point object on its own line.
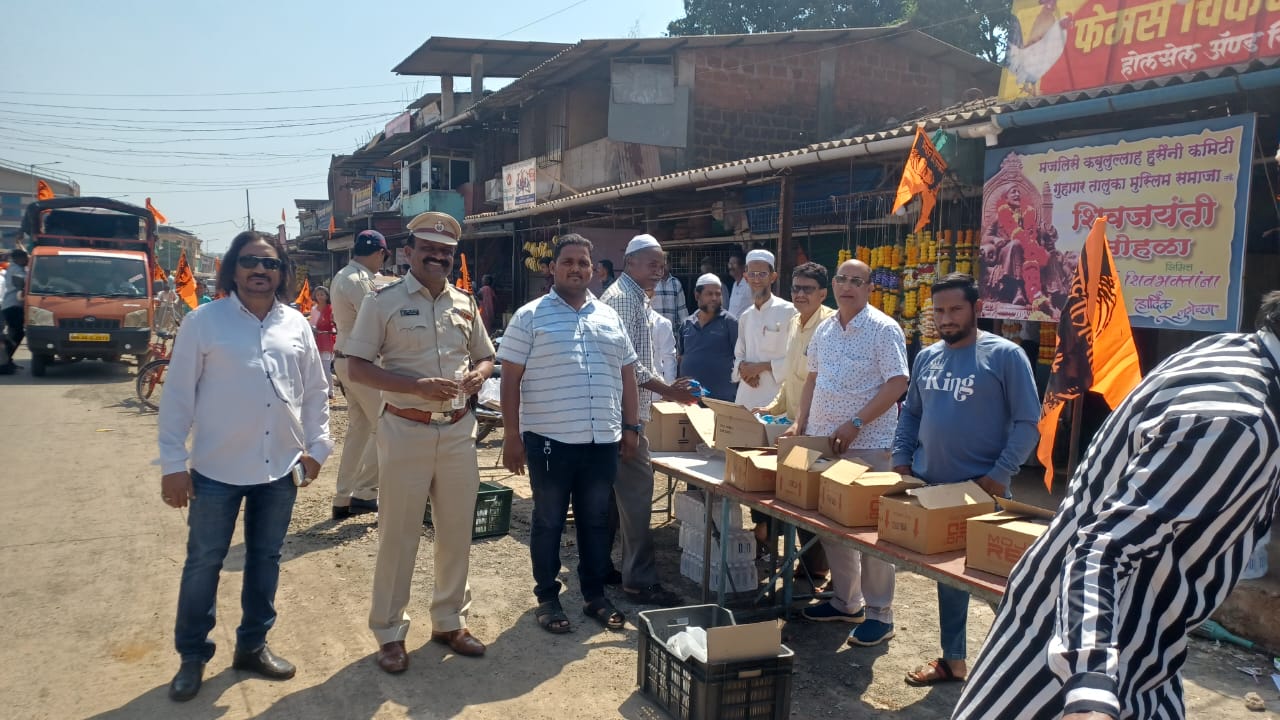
{"type": "Point", "coordinates": [1174, 492]}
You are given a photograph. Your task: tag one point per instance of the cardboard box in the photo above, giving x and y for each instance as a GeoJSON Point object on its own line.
{"type": "Point", "coordinates": [745, 642]}
{"type": "Point", "coordinates": [751, 469]}
{"type": "Point", "coordinates": [932, 519]}
{"type": "Point", "coordinates": [997, 541]}
{"type": "Point", "coordinates": [669, 429]}
{"type": "Point", "coordinates": [737, 427]}
{"type": "Point", "coordinates": [850, 492]}
{"type": "Point", "coordinates": [803, 460]}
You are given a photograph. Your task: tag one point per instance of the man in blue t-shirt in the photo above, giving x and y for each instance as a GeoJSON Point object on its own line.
{"type": "Point", "coordinates": [970, 414]}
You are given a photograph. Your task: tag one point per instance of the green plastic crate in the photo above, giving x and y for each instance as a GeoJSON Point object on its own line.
{"type": "Point", "coordinates": [493, 511]}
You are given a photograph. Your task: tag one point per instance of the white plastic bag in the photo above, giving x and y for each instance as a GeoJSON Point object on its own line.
{"type": "Point", "coordinates": [491, 394]}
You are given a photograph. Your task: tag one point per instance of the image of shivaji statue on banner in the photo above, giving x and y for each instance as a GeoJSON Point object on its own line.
{"type": "Point", "coordinates": [1174, 197]}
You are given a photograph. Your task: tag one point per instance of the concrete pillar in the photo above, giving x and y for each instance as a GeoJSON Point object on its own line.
{"type": "Point", "coordinates": [447, 109]}
{"type": "Point", "coordinates": [477, 78]}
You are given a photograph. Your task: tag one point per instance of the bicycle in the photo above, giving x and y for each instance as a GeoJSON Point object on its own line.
{"type": "Point", "coordinates": [151, 374]}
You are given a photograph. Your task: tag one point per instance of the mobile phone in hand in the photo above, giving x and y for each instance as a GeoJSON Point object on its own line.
{"type": "Point", "coordinates": [299, 475]}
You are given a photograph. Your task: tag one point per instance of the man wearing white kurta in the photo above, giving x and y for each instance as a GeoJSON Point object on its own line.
{"type": "Point", "coordinates": [761, 353]}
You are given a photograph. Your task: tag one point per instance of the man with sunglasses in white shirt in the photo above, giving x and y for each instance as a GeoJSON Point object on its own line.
{"type": "Point", "coordinates": [247, 384]}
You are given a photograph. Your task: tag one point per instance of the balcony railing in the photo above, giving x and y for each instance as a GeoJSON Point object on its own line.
{"type": "Point", "coordinates": [445, 201]}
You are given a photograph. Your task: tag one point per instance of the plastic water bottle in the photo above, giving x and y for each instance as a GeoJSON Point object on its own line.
{"type": "Point", "coordinates": [1257, 566]}
{"type": "Point", "coordinates": [459, 401]}
{"type": "Point", "coordinates": [698, 391]}
{"type": "Point", "coordinates": [767, 419]}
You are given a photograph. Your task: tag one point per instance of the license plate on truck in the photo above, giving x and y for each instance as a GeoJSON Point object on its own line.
{"type": "Point", "coordinates": [90, 337]}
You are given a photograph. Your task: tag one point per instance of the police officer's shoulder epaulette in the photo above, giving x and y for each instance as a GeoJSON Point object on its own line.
{"type": "Point", "coordinates": [388, 286]}
{"type": "Point", "coordinates": [461, 290]}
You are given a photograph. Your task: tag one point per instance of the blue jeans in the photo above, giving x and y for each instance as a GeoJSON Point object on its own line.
{"type": "Point", "coordinates": [211, 519]}
{"type": "Point", "coordinates": [953, 620]}
{"type": "Point", "coordinates": [560, 473]}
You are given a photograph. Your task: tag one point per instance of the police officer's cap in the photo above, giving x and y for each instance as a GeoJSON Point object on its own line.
{"type": "Point", "coordinates": [436, 227]}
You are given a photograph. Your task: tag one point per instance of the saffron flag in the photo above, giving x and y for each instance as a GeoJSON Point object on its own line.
{"type": "Point", "coordinates": [1095, 343]}
{"type": "Point", "coordinates": [282, 219]}
{"type": "Point", "coordinates": [333, 226]}
{"type": "Point", "coordinates": [303, 301]}
{"type": "Point", "coordinates": [185, 282]}
{"type": "Point", "coordinates": [217, 272]}
{"type": "Point", "coordinates": [159, 216]}
{"type": "Point", "coordinates": [464, 278]}
{"type": "Point", "coordinates": [43, 191]}
{"type": "Point", "coordinates": [157, 271]}
{"type": "Point", "coordinates": [922, 176]}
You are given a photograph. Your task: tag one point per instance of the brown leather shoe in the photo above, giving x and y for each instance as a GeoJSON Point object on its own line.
{"type": "Point", "coordinates": [392, 657]}
{"type": "Point", "coordinates": [460, 641]}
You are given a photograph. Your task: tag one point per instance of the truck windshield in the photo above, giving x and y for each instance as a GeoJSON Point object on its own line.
{"type": "Point", "coordinates": [88, 276]}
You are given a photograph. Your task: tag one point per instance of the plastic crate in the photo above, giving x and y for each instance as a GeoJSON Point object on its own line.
{"type": "Point", "coordinates": [493, 511]}
{"type": "Point", "coordinates": [742, 544]}
{"type": "Point", "coordinates": [743, 577]}
{"type": "Point", "coordinates": [690, 510]}
{"type": "Point", "coordinates": [692, 690]}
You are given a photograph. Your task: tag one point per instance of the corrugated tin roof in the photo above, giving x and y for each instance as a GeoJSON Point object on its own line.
{"type": "Point", "coordinates": [967, 113]}
{"type": "Point", "coordinates": [577, 58]}
{"type": "Point", "coordinates": [452, 56]}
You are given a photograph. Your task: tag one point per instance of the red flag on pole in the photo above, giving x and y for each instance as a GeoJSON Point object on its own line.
{"type": "Point", "coordinates": [1095, 342]}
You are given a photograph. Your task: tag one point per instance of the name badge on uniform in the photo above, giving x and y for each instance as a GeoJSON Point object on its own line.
{"type": "Point", "coordinates": [408, 311]}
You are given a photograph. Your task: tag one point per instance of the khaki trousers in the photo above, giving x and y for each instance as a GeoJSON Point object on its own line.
{"type": "Point", "coordinates": [418, 462]}
{"type": "Point", "coordinates": [859, 581]}
{"type": "Point", "coordinates": [358, 469]}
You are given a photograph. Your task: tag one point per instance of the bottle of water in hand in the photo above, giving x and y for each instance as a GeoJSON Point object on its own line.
{"type": "Point", "coordinates": [460, 400]}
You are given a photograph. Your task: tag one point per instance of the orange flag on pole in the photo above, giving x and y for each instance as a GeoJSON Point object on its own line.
{"type": "Point", "coordinates": [464, 278]}
{"type": "Point", "coordinates": [303, 301]}
{"type": "Point", "coordinates": [282, 215]}
{"type": "Point", "coordinates": [157, 271]}
{"type": "Point", "coordinates": [333, 226]}
{"type": "Point", "coordinates": [1095, 342]}
{"type": "Point", "coordinates": [184, 282]}
{"type": "Point", "coordinates": [159, 216]}
{"type": "Point", "coordinates": [922, 176]}
{"type": "Point", "coordinates": [43, 191]}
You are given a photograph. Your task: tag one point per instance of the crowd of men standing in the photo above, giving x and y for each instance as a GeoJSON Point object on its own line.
{"type": "Point", "coordinates": [580, 374]}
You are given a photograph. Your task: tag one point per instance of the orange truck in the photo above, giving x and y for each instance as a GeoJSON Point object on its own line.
{"type": "Point", "coordinates": [89, 293]}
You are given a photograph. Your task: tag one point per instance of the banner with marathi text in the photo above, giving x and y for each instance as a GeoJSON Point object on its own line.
{"type": "Point", "coordinates": [1176, 198]}
{"type": "Point", "coordinates": [1058, 46]}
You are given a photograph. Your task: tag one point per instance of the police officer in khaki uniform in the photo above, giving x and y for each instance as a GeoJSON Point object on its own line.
{"type": "Point", "coordinates": [425, 332]}
{"type": "Point", "coordinates": [358, 471]}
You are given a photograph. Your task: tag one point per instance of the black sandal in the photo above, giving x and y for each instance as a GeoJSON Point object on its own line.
{"type": "Point", "coordinates": [551, 617]}
{"type": "Point", "coordinates": [604, 612]}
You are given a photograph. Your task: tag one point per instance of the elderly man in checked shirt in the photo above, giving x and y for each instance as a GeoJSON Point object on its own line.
{"type": "Point", "coordinates": [1160, 518]}
{"type": "Point", "coordinates": [642, 268]}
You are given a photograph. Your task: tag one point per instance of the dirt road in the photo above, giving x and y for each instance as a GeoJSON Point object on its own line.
{"type": "Point", "coordinates": [91, 559]}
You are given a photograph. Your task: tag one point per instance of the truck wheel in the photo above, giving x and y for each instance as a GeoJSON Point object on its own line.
{"type": "Point", "coordinates": [39, 363]}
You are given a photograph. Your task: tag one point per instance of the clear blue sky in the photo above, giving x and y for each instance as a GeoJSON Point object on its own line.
{"type": "Point", "coordinates": [69, 67]}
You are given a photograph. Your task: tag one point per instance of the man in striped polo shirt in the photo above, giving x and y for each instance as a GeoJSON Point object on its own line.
{"type": "Point", "coordinates": [569, 398]}
{"type": "Point", "coordinates": [1159, 521]}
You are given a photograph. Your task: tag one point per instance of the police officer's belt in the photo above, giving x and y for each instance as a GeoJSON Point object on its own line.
{"type": "Point", "coordinates": [426, 417]}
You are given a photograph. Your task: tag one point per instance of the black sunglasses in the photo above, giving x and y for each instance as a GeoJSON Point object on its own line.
{"type": "Point", "coordinates": [249, 262]}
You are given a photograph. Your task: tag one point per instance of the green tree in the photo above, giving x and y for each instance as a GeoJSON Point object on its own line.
{"type": "Point", "coordinates": [976, 26]}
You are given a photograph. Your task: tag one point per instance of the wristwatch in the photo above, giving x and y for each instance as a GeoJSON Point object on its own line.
{"type": "Point", "coordinates": [637, 429]}
{"type": "Point", "coordinates": [857, 422]}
